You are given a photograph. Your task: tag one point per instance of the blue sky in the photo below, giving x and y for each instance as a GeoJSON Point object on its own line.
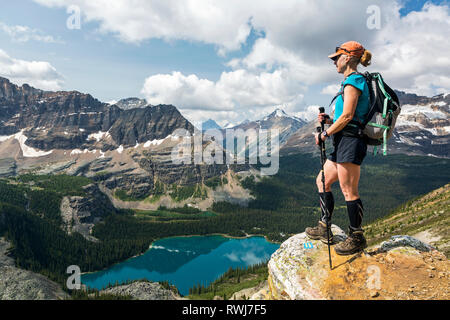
{"type": "Point", "coordinates": [110, 67]}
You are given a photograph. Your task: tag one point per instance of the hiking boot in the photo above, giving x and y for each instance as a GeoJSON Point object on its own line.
{"type": "Point", "coordinates": [319, 232]}
{"type": "Point", "coordinates": [354, 243]}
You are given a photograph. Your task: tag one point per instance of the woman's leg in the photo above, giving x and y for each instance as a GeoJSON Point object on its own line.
{"type": "Point", "coordinates": [349, 174]}
{"type": "Point", "coordinates": [326, 198]}
{"type": "Point", "coordinates": [326, 201]}
{"type": "Point", "coordinates": [331, 176]}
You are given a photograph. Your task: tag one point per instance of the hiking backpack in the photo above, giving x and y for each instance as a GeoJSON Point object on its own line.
{"type": "Point", "coordinates": [384, 108]}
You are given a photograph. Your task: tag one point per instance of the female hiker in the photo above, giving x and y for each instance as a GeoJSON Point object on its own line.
{"type": "Point", "coordinates": [352, 105]}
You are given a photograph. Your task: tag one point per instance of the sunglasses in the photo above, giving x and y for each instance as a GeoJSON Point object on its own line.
{"type": "Point", "coordinates": [345, 50]}
{"type": "Point", "coordinates": [339, 48]}
{"type": "Point", "coordinates": [348, 51]}
{"type": "Point", "coordinates": [336, 57]}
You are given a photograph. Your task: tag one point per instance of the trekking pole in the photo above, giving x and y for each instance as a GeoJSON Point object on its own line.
{"type": "Point", "coordinates": [322, 161]}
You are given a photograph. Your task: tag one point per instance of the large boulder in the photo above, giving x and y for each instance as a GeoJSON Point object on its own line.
{"type": "Point", "coordinates": [400, 268]}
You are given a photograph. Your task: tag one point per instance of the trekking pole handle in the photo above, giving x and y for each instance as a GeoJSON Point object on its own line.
{"type": "Point", "coordinates": [319, 131]}
{"type": "Point", "coordinates": [322, 110]}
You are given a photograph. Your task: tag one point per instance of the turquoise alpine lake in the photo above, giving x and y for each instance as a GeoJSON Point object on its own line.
{"type": "Point", "coordinates": [185, 261]}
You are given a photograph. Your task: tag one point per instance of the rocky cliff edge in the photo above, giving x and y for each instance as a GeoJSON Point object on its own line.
{"type": "Point", "coordinates": [401, 268]}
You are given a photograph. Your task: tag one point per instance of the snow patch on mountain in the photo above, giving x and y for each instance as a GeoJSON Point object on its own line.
{"type": "Point", "coordinates": [154, 142]}
{"type": "Point", "coordinates": [29, 152]}
{"type": "Point", "coordinates": [427, 110]}
{"type": "Point", "coordinates": [97, 136]}
{"type": "Point", "coordinates": [4, 138]}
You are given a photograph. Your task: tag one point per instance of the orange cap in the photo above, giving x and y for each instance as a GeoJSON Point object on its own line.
{"type": "Point", "coordinates": [350, 48]}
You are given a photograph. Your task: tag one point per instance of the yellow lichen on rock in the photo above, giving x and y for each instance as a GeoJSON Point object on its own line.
{"type": "Point", "coordinates": [401, 268]}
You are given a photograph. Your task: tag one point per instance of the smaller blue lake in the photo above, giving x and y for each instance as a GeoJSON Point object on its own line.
{"type": "Point", "coordinates": [186, 261]}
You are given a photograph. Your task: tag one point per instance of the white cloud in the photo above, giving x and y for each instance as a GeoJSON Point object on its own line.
{"type": "Point", "coordinates": [39, 74]}
{"type": "Point", "coordinates": [238, 93]}
{"type": "Point", "coordinates": [411, 51]}
{"type": "Point", "coordinates": [304, 26]}
{"type": "Point", "coordinates": [309, 114]}
{"type": "Point", "coordinates": [331, 89]}
{"type": "Point", "coordinates": [24, 34]}
{"type": "Point", "coordinates": [216, 22]}
{"type": "Point", "coordinates": [185, 91]}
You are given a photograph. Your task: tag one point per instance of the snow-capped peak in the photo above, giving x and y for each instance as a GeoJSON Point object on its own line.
{"type": "Point", "coordinates": [280, 113]}
{"type": "Point", "coordinates": [228, 125]}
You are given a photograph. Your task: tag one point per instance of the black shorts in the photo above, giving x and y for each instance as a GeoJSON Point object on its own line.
{"type": "Point", "coordinates": [348, 149]}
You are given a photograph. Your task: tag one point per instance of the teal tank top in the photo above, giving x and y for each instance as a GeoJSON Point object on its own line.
{"type": "Point", "coordinates": [362, 108]}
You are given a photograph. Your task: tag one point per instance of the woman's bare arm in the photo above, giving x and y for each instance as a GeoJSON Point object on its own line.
{"type": "Point", "coordinates": [351, 95]}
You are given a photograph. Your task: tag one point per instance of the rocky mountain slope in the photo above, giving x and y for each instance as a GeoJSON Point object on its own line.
{"type": "Point", "coordinates": [143, 290]}
{"type": "Point", "coordinates": [426, 218]}
{"type": "Point", "coordinates": [70, 120]}
{"type": "Point", "coordinates": [19, 284]}
{"type": "Point", "coordinates": [278, 120]}
{"type": "Point", "coordinates": [210, 124]}
{"type": "Point", "coordinates": [423, 128]}
{"type": "Point", "coordinates": [126, 146]}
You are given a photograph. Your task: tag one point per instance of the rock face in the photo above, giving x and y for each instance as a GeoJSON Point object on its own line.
{"type": "Point", "coordinates": [401, 268]}
{"type": "Point", "coordinates": [143, 290]}
{"type": "Point", "coordinates": [19, 284]}
{"type": "Point", "coordinates": [80, 214]}
{"type": "Point", "coordinates": [65, 119]}
{"type": "Point", "coordinates": [131, 103]}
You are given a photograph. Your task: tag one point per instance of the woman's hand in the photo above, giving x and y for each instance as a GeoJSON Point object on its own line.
{"type": "Point", "coordinates": [324, 117]}
{"type": "Point", "coordinates": [320, 136]}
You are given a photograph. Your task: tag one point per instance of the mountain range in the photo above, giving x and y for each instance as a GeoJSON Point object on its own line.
{"type": "Point", "coordinates": [131, 141]}
{"type": "Point", "coordinates": [126, 149]}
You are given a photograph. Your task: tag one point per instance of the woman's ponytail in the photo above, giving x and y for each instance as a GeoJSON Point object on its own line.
{"type": "Point", "coordinates": [366, 57]}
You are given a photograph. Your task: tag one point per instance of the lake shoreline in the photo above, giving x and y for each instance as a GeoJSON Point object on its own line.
{"type": "Point", "coordinates": [186, 236]}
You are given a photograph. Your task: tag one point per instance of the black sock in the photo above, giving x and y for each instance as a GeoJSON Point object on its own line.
{"type": "Point", "coordinates": [355, 211]}
{"type": "Point", "coordinates": [326, 202]}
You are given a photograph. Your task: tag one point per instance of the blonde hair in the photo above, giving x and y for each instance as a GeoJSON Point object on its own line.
{"type": "Point", "coordinates": [366, 58]}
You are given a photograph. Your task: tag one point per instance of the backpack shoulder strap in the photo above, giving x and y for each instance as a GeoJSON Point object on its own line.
{"type": "Point", "coordinates": [341, 92]}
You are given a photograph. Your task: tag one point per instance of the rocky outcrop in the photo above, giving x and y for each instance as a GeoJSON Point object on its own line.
{"type": "Point", "coordinates": [143, 290]}
{"type": "Point", "coordinates": [19, 284]}
{"type": "Point", "coordinates": [401, 268]}
{"type": "Point", "coordinates": [260, 292]}
{"type": "Point", "coordinates": [80, 214]}
{"type": "Point", "coordinates": [131, 103]}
